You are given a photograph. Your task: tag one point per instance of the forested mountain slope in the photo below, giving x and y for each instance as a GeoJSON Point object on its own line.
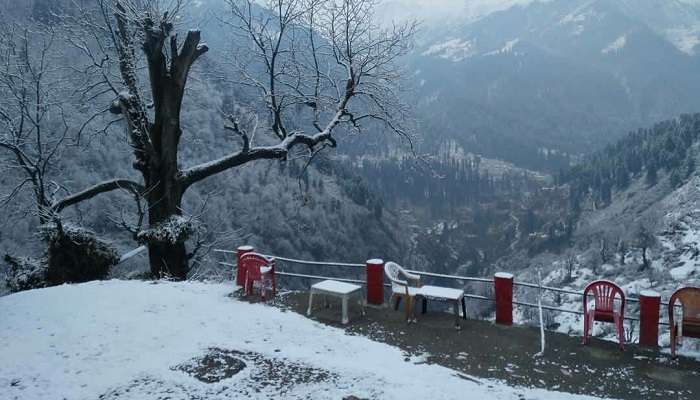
{"type": "Point", "coordinates": [289, 208]}
{"type": "Point", "coordinates": [637, 208]}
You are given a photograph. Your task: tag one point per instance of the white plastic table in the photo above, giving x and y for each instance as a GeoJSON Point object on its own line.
{"type": "Point", "coordinates": [454, 296]}
{"type": "Point", "coordinates": [337, 289]}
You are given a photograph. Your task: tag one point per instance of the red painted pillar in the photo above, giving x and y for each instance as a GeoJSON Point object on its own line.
{"type": "Point", "coordinates": [240, 272]}
{"type": "Point", "coordinates": [503, 284]}
{"type": "Point", "coordinates": [375, 281]}
{"type": "Point", "coordinates": [649, 303]}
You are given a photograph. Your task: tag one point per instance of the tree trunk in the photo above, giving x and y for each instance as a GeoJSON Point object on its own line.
{"type": "Point", "coordinates": [156, 144]}
{"type": "Point", "coordinates": [165, 199]}
{"type": "Point", "coordinates": [167, 257]}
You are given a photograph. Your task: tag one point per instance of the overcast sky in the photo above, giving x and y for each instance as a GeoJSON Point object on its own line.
{"type": "Point", "coordinates": [438, 9]}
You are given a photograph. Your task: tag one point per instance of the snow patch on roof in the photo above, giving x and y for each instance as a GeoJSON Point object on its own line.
{"type": "Point", "coordinates": [454, 50]}
{"type": "Point", "coordinates": [615, 46]}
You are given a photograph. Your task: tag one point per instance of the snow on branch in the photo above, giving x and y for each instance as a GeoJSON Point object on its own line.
{"type": "Point", "coordinates": [103, 187]}
{"type": "Point", "coordinates": [324, 60]}
{"type": "Point", "coordinates": [191, 50]}
{"type": "Point", "coordinates": [176, 229]}
{"type": "Point", "coordinates": [278, 151]}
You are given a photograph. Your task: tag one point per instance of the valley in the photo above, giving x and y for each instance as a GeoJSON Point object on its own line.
{"type": "Point", "coordinates": [536, 142]}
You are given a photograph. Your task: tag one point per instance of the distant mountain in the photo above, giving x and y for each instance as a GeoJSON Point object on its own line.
{"type": "Point", "coordinates": [540, 82]}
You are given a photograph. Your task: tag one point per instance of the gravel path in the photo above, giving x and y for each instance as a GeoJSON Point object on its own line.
{"type": "Point", "coordinates": [486, 350]}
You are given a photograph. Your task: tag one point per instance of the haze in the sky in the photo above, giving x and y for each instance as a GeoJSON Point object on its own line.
{"type": "Point", "coordinates": [431, 10]}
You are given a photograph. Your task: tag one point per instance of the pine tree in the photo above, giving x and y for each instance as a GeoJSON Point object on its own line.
{"type": "Point", "coordinates": [676, 178]}
{"type": "Point", "coordinates": [689, 165]}
{"type": "Point", "coordinates": [652, 175]}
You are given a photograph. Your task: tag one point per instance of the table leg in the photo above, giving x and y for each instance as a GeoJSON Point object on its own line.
{"type": "Point", "coordinates": [362, 303]}
{"type": "Point", "coordinates": [345, 310]}
{"type": "Point", "coordinates": [464, 308]}
{"type": "Point", "coordinates": [311, 302]}
{"type": "Point", "coordinates": [425, 305]}
{"type": "Point", "coordinates": [455, 308]}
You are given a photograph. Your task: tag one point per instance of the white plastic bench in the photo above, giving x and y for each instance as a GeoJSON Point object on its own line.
{"type": "Point", "coordinates": [341, 290]}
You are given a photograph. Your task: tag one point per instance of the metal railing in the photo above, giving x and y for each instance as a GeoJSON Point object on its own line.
{"type": "Point", "coordinates": [433, 275]}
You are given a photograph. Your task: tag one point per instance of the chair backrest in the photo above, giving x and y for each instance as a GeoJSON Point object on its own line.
{"type": "Point", "coordinates": [689, 297]}
{"type": "Point", "coordinates": [252, 262]}
{"type": "Point", "coordinates": [394, 272]}
{"type": "Point", "coordinates": [604, 294]}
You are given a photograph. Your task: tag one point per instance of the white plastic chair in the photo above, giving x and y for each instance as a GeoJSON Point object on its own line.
{"type": "Point", "coordinates": [401, 286]}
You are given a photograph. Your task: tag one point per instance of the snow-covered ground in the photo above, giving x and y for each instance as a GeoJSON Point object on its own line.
{"type": "Point", "coordinates": [130, 339]}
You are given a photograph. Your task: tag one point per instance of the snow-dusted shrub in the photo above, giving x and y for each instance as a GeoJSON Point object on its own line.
{"type": "Point", "coordinates": [76, 254]}
{"type": "Point", "coordinates": [25, 273]}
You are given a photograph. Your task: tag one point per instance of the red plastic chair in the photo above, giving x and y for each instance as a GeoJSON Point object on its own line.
{"type": "Point", "coordinates": [604, 294]}
{"type": "Point", "coordinates": [689, 325]}
{"type": "Point", "coordinates": [259, 268]}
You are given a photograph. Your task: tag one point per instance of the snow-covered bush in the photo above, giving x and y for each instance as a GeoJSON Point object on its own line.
{"type": "Point", "coordinates": [76, 254]}
{"type": "Point", "coordinates": [25, 273]}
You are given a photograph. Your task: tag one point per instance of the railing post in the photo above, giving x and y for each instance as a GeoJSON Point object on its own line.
{"type": "Point", "coordinates": [649, 303]}
{"type": "Point", "coordinates": [375, 281]}
{"type": "Point", "coordinates": [503, 284]}
{"type": "Point", "coordinates": [240, 272]}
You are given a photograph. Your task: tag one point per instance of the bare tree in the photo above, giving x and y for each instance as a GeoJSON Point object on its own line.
{"type": "Point", "coordinates": [622, 250]}
{"type": "Point", "coordinates": [341, 70]}
{"type": "Point", "coordinates": [35, 126]}
{"type": "Point", "coordinates": [645, 239]}
{"type": "Point", "coordinates": [604, 250]}
{"type": "Point", "coordinates": [39, 124]}
{"type": "Point", "coordinates": [569, 264]}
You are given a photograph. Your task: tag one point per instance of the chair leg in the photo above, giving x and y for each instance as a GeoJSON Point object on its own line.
{"type": "Point", "coordinates": [397, 301]}
{"type": "Point", "coordinates": [408, 308]}
{"type": "Point", "coordinates": [620, 330]}
{"type": "Point", "coordinates": [413, 311]}
{"type": "Point", "coordinates": [673, 341]}
{"type": "Point", "coordinates": [425, 305]}
{"type": "Point", "coordinates": [586, 326]}
{"type": "Point", "coordinates": [311, 303]}
{"type": "Point", "coordinates": [274, 284]}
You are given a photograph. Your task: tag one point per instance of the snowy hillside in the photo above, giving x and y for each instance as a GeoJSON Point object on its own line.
{"type": "Point", "coordinates": [139, 340]}
{"type": "Point", "coordinates": [672, 216]}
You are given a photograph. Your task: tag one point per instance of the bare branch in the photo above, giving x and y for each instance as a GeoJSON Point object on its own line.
{"type": "Point", "coordinates": [279, 152]}
{"type": "Point", "coordinates": [103, 187]}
